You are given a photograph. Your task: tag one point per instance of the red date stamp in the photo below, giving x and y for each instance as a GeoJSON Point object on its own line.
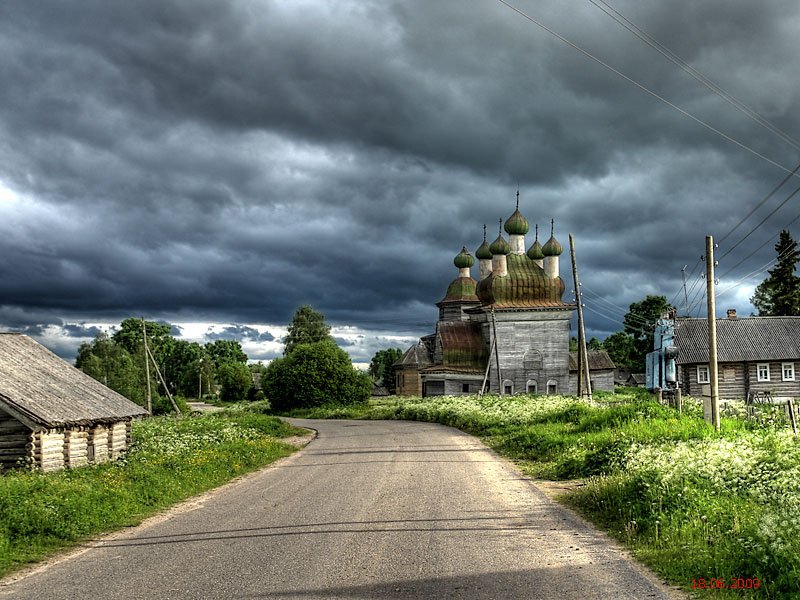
{"type": "Point", "coordinates": [734, 583]}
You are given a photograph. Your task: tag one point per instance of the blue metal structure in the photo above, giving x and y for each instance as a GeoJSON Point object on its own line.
{"type": "Point", "coordinates": [660, 368]}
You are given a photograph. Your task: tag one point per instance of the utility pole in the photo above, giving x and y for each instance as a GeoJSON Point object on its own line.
{"type": "Point", "coordinates": [685, 293]}
{"type": "Point", "coordinates": [497, 355]}
{"type": "Point", "coordinates": [712, 332]}
{"type": "Point", "coordinates": [583, 356]}
{"type": "Point", "coordinates": [147, 368]}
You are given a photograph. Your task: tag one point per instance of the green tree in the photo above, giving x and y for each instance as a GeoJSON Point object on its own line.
{"type": "Point", "coordinates": [308, 326]}
{"type": "Point", "coordinates": [112, 365]}
{"type": "Point", "coordinates": [779, 294]}
{"type": "Point", "coordinates": [225, 351]}
{"type": "Point", "coordinates": [381, 367]}
{"type": "Point", "coordinates": [640, 322]}
{"type": "Point", "coordinates": [315, 374]}
{"type": "Point", "coordinates": [235, 380]}
{"type": "Point", "coordinates": [594, 344]}
{"type": "Point", "coordinates": [159, 338]}
{"type": "Point", "coordinates": [621, 347]}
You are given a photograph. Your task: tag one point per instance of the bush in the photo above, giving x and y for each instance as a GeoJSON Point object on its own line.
{"type": "Point", "coordinates": [235, 380]}
{"type": "Point", "coordinates": [312, 375]}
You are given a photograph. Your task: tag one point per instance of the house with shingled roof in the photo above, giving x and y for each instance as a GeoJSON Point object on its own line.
{"type": "Point", "coordinates": [53, 415]}
{"type": "Point", "coordinates": [506, 332]}
{"type": "Point", "coordinates": [754, 354]}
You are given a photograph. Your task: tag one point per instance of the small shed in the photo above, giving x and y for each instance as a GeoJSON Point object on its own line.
{"type": "Point", "coordinates": [53, 415]}
{"type": "Point", "coordinates": [601, 371]}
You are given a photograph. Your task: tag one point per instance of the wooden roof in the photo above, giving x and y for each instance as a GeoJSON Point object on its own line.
{"type": "Point", "coordinates": [739, 339]}
{"type": "Point", "coordinates": [42, 389]}
{"type": "Point", "coordinates": [599, 360]}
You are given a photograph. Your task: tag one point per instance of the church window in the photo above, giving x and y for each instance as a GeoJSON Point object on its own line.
{"type": "Point", "coordinates": [532, 386]}
{"type": "Point", "coordinates": [552, 387]}
{"type": "Point", "coordinates": [508, 386]}
{"type": "Point", "coordinates": [532, 360]}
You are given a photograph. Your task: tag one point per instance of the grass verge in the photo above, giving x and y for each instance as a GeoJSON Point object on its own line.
{"type": "Point", "coordinates": [169, 461]}
{"type": "Point", "coordinates": [691, 503]}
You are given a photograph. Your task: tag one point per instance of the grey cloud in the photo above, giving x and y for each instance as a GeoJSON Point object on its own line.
{"type": "Point", "coordinates": [213, 161]}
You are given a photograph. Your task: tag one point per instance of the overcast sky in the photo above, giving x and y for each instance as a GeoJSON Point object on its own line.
{"type": "Point", "coordinates": [216, 164]}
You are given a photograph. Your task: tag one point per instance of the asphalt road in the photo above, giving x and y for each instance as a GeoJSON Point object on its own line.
{"type": "Point", "coordinates": [370, 509]}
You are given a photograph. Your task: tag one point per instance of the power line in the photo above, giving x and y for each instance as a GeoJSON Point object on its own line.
{"type": "Point", "coordinates": [697, 75]}
{"type": "Point", "coordinates": [764, 220]}
{"type": "Point", "coordinates": [789, 224]}
{"type": "Point", "coordinates": [642, 87]}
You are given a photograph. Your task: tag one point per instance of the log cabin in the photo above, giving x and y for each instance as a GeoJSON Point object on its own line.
{"type": "Point", "coordinates": [53, 415]}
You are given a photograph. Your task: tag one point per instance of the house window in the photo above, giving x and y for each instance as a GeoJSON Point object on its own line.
{"type": "Point", "coordinates": [787, 370]}
{"type": "Point", "coordinates": [763, 371]}
{"type": "Point", "coordinates": [532, 386]}
{"type": "Point", "coordinates": [552, 387]}
{"type": "Point", "coordinates": [465, 388]}
{"type": "Point", "coordinates": [702, 374]}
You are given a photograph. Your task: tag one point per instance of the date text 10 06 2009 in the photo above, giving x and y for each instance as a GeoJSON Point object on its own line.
{"type": "Point", "coordinates": [734, 583]}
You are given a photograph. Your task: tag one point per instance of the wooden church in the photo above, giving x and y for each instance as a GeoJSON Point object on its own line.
{"type": "Point", "coordinates": [506, 332]}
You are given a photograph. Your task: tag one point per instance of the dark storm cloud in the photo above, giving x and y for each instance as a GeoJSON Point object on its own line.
{"type": "Point", "coordinates": [229, 161]}
{"type": "Point", "coordinates": [80, 330]}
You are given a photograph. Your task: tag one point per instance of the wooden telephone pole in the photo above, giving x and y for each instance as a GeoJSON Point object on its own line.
{"type": "Point", "coordinates": [147, 368]}
{"type": "Point", "coordinates": [713, 373]}
{"type": "Point", "coordinates": [584, 383]}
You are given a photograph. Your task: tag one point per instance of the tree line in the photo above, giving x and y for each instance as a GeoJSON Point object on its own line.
{"type": "Point", "coordinates": [189, 369]}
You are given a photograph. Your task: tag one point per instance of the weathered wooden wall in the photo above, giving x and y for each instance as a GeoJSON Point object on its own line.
{"type": "Point", "coordinates": [736, 380]}
{"type": "Point", "coordinates": [76, 447]}
{"type": "Point", "coordinates": [546, 332]}
{"type": "Point", "coordinates": [118, 439]}
{"type": "Point", "coordinates": [98, 443]}
{"type": "Point", "coordinates": [48, 449]}
{"type": "Point", "coordinates": [16, 442]}
{"type": "Point", "coordinates": [409, 382]}
{"type": "Point", "coordinates": [602, 381]}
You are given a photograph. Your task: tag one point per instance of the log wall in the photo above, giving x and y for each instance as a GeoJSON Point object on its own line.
{"type": "Point", "coordinates": [16, 442]}
{"type": "Point", "coordinates": [98, 441]}
{"type": "Point", "coordinates": [118, 439]}
{"type": "Point", "coordinates": [48, 449]}
{"type": "Point", "coordinates": [76, 447]}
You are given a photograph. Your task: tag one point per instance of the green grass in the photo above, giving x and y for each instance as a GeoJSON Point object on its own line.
{"type": "Point", "coordinates": [169, 460]}
{"type": "Point", "coordinates": [688, 501]}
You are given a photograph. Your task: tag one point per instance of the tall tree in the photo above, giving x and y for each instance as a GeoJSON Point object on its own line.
{"type": "Point", "coordinates": [308, 326]}
{"type": "Point", "coordinates": [112, 365]}
{"type": "Point", "coordinates": [381, 367]}
{"type": "Point", "coordinates": [640, 322]}
{"type": "Point", "coordinates": [779, 294]}
{"type": "Point", "coordinates": [621, 347]}
{"type": "Point", "coordinates": [225, 351]}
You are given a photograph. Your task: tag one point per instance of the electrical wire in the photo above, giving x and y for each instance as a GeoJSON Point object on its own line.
{"type": "Point", "coordinates": [697, 75]}
{"type": "Point", "coordinates": [642, 87]}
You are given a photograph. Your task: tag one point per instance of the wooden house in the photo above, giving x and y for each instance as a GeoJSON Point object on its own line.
{"type": "Point", "coordinates": [601, 371]}
{"type": "Point", "coordinates": [53, 415]}
{"type": "Point", "coordinates": [754, 354]}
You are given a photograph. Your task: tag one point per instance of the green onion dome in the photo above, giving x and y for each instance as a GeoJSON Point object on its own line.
{"type": "Point", "coordinates": [463, 259]}
{"type": "Point", "coordinates": [500, 246]}
{"type": "Point", "coordinates": [535, 251]}
{"type": "Point", "coordinates": [552, 247]}
{"type": "Point", "coordinates": [517, 224]}
{"type": "Point", "coordinates": [483, 251]}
